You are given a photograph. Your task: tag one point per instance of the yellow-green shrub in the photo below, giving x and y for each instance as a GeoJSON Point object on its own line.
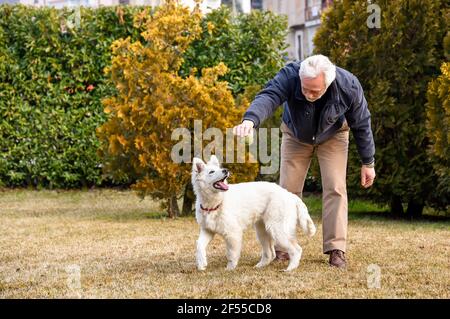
{"type": "Point", "coordinates": [438, 131]}
{"type": "Point", "coordinates": [153, 100]}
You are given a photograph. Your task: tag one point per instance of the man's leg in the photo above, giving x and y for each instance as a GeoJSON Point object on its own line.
{"type": "Point", "coordinates": [332, 156]}
{"type": "Point", "coordinates": [295, 161]}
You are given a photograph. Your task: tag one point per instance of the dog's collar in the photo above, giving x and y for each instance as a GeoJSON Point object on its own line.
{"type": "Point", "coordinates": [209, 209]}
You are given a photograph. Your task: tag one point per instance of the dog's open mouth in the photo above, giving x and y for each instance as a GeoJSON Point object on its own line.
{"type": "Point", "coordinates": [221, 184]}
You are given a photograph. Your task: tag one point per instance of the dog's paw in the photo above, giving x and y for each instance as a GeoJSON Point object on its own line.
{"type": "Point", "coordinates": [201, 266]}
{"type": "Point", "coordinates": [290, 268]}
{"type": "Point", "coordinates": [231, 266]}
{"type": "Point", "coordinates": [261, 264]}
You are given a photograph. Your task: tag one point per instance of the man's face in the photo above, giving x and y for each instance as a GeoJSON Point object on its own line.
{"type": "Point", "coordinates": [313, 88]}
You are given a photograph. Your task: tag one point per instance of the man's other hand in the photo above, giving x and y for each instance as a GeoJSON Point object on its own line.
{"type": "Point", "coordinates": [367, 176]}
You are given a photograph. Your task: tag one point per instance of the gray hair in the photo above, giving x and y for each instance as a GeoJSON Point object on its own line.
{"type": "Point", "coordinates": [312, 66]}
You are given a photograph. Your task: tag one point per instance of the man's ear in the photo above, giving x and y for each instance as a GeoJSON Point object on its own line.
{"type": "Point", "coordinates": [197, 165]}
{"type": "Point", "coordinates": [214, 161]}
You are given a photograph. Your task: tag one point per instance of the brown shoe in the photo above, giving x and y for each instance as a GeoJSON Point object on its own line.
{"type": "Point", "coordinates": [281, 255]}
{"type": "Point", "coordinates": [337, 259]}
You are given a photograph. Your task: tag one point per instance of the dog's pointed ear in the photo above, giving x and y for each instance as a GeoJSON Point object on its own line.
{"type": "Point", "coordinates": [197, 165]}
{"type": "Point", "coordinates": [214, 161]}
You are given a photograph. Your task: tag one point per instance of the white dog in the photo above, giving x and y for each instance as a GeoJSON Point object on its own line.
{"type": "Point", "coordinates": [229, 209]}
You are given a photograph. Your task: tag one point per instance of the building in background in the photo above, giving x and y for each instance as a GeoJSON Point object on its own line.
{"type": "Point", "coordinates": [303, 21]}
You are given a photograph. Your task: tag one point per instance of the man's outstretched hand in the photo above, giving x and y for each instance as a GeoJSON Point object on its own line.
{"type": "Point", "coordinates": [243, 129]}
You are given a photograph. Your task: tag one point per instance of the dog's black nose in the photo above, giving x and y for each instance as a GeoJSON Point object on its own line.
{"type": "Point", "coordinates": [225, 171]}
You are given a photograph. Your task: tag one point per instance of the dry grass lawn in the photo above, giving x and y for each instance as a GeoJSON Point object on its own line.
{"type": "Point", "coordinates": [125, 248]}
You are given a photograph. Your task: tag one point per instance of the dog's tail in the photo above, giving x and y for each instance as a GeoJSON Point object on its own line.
{"type": "Point", "coordinates": [304, 219]}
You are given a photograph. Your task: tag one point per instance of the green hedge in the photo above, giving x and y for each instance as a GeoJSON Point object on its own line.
{"type": "Point", "coordinates": [51, 89]}
{"type": "Point", "coordinates": [52, 83]}
{"type": "Point", "coordinates": [249, 44]}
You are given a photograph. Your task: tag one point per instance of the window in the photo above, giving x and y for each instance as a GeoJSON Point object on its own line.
{"type": "Point", "coordinates": [256, 4]}
{"type": "Point", "coordinates": [299, 45]}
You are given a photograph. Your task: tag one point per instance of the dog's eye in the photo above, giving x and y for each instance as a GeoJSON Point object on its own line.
{"type": "Point", "coordinates": [210, 172]}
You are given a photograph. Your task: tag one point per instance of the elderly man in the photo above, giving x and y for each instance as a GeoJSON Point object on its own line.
{"type": "Point", "coordinates": [322, 103]}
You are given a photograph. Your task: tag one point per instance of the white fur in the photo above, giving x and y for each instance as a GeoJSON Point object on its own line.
{"type": "Point", "coordinates": [271, 209]}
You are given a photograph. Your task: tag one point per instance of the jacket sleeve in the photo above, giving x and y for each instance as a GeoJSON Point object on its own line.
{"type": "Point", "coordinates": [274, 94]}
{"type": "Point", "coordinates": [358, 118]}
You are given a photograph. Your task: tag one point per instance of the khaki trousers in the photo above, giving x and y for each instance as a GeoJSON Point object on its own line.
{"type": "Point", "coordinates": [332, 155]}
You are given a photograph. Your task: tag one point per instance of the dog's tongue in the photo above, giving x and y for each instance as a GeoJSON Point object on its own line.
{"type": "Point", "coordinates": [222, 185]}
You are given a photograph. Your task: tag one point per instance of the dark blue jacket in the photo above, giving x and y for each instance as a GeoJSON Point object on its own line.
{"type": "Point", "coordinates": [345, 101]}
